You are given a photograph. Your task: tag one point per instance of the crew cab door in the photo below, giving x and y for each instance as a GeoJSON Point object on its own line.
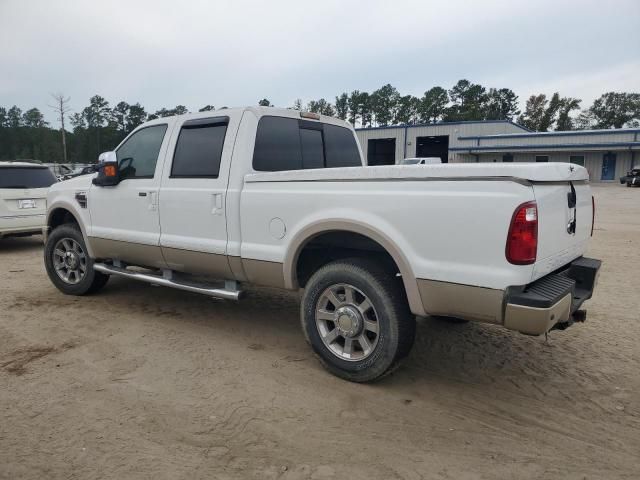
{"type": "Point", "coordinates": [193, 196]}
{"type": "Point", "coordinates": [125, 222]}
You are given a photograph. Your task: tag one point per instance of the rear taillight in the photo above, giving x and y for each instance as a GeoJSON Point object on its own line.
{"type": "Point", "coordinates": [522, 241]}
{"type": "Point", "coordinates": [593, 213]}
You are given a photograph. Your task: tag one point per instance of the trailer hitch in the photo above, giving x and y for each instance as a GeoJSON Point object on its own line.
{"type": "Point", "coordinates": [578, 316]}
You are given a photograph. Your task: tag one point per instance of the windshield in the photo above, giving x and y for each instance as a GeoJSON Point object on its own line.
{"type": "Point", "coordinates": [26, 177]}
{"type": "Point", "coordinates": [411, 161]}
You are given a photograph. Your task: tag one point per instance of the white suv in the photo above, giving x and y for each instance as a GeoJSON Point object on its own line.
{"type": "Point", "coordinates": [23, 198]}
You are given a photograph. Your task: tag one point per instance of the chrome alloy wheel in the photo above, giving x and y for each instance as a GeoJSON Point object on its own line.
{"type": "Point", "coordinates": [347, 322]}
{"type": "Point", "coordinates": [69, 261]}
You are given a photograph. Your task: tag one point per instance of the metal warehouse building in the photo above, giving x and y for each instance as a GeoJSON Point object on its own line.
{"type": "Point", "coordinates": [607, 154]}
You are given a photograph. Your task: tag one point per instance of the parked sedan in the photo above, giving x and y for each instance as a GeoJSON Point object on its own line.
{"type": "Point", "coordinates": [23, 198]}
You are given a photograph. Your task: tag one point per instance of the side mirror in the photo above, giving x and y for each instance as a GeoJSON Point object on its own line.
{"type": "Point", "coordinates": [107, 167]}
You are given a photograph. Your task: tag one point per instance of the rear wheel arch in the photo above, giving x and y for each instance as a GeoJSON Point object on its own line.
{"type": "Point", "coordinates": [387, 248]}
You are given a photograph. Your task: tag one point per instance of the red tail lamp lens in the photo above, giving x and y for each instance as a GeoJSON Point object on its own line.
{"type": "Point", "coordinates": [522, 241]}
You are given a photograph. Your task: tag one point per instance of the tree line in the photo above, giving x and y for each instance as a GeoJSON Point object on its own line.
{"type": "Point", "coordinates": [100, 126]}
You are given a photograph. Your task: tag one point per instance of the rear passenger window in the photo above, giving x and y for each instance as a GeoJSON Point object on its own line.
{"type": "Point", "coordinates": [199, 148]}
{"type": "Point", "coordinates": [292, 144]}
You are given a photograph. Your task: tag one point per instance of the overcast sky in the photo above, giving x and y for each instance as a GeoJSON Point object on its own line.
{"type": "Point", "coordinates": [164, 53]}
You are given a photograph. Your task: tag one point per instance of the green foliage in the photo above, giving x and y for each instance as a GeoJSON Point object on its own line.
{"type": "Point", "coordinates": [433, 105]}
{"type": "Point", "coordinates": [541, 114]}
{"type": "Point", "coordinates": [165, 112]}
{"type": "Point", "coordinates": [14, 117]}
{"type": "Point", "coordinates": [32, 118]}
{"type": "Point", "coordinates": [407, 110]}
{"type": "Point", "coordinates": [469, 102]}
{"type": "Point", "coordinates": [383, 104]}
{"type": "Point", "coordinates": [135, 116]}
{"type": "Point", "coordinates": [501, 104]}
{"type": "Point", "coordinates": [615, 110]}
{"type": "Point", "coordinates": [99, 127]}
{"type": "Point", "coordinates": [366, 113]}
{"type": "Point", "coordinates": [354, 106]}
{"type": "Point", "coordinates": [565, 121]}
{"type": "Point", "coordinates": [96, 128]}
{"type": "Point", "coordinates": [342, 106]}
{"type": "Point", "coordinates": [534, 111]}
{"type": "Point", "coordinates": [360, 108]}
{"type": "Point", "coordinates": [321, 106]}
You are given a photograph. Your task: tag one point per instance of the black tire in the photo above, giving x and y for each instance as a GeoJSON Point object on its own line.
{"type": "Point", "coordinates": [396, 324]}
{"type": "Point", "coordinates": [91, 282]}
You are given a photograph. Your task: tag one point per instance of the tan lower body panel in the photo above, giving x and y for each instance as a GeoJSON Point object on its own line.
{"type": "Point", "coordinates": [536, 321]}
{"type": "Point", "coordinates": [135, 253]}
{"type": "Point", "coordinates": [260, 272]}
{"type": "Point", "coordinates": [463, 301]}
{"type": "Point", "coordinates": [237, 270]}
{"type": "Point", "coordinates": [200, 263]}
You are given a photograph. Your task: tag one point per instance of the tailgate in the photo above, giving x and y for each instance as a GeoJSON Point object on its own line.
{"type": "Point", "coordinates": [564, 226]}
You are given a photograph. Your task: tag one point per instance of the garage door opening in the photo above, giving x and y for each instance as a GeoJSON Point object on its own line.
{"type": "Point", "coordinates": [433, 147]}
{"type": "Point", "coordinates": [381, 151]}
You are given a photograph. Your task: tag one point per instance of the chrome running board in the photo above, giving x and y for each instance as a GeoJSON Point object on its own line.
{"type": "Point", "coordinates": [230, 292]}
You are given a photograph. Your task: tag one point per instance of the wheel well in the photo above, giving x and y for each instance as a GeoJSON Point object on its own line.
{"type": "Point", "coordinates": [330, 246]}
{"type": "Point", "coordinates": [60, 216]}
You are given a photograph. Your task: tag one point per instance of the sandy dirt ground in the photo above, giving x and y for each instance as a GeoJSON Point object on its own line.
{"type": "Point", "coordinates": [147, 382]}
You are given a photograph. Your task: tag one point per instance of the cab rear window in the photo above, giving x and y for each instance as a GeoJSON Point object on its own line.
{"type": "Point", "coordinates": [292, 144]}
{"type": "Point", "coordinates": [26, 177]}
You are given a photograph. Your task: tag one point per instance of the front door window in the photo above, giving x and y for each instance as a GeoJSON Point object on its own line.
{"type": "Point", "coordinates": [138, 155]}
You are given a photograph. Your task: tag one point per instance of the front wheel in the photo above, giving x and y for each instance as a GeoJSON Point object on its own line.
{"type": "Point", "coordinates": [68, 263]}
{"type": "Point", "coordinates": [356, 318]}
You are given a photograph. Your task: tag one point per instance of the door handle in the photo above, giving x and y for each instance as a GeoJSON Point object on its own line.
{"type": "Point", "coordinates": [217, 204]}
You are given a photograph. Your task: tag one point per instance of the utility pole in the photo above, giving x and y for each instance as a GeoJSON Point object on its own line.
{"type": "Point", "coordinates": [61, 108]}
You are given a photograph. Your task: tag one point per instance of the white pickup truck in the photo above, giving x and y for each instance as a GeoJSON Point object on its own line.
{"type": "Point", "coordinates": [206, 202]}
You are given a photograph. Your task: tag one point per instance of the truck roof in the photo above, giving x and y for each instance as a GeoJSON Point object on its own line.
{"type": "Point", "coordinates": [259, 112]}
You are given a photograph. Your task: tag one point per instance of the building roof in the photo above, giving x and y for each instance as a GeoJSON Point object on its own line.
{"type": "Point", "coordinates": [572, 133]}
{"type": "Point", "coordinates": [435, 124]}
{"type": "Point", "coordinates": [549, 146]}
{"type": "Point", "coordinates": [603, 139]}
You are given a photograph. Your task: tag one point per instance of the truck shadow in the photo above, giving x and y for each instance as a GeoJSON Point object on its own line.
{"type": "Point", "coordinates": [20, 244]}
{"type": "Point", "coordinates": [490, 360]}
{"type": "Point", "coordinates": [268, 319]}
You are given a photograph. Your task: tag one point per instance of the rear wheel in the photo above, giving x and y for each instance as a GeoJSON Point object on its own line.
{"type": "Point", "coordinates": [68, 263]}
{"type": "Point", "coordinates": [356, 318]}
